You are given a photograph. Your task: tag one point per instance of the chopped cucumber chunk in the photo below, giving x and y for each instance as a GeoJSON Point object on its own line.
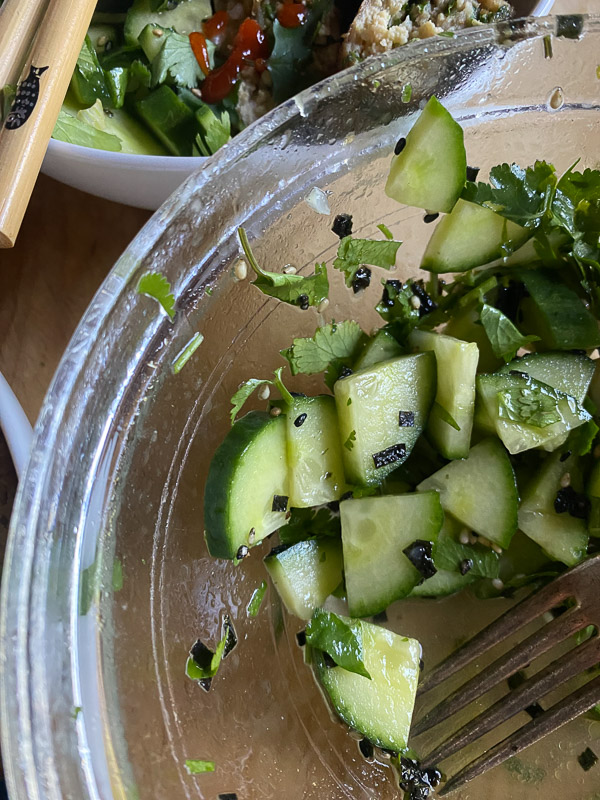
{"type": "Point", "coordinates": [382, 411]}
{"type": "Point", "coordinates": [247, 485]}
{"type": "Point", "coordinates": [527, 413]}
{"type": "Point", "coordinates": [470, 236]}
{"type": "Point", "coordinates": [431, 170]}
{"type": "Point", "coordinates": [381, 708]}
{"type": "Point", "coordinates": [306, 573]}
{"type": "Point", "coordinates": [380, 347]}
{"type": "Point", "coordinates": [456, 368]}
{"type": "Point", "coordinates": [185, 17]}
{"type": "Point", "coordinates": [315, 460]}
{"type": "Point", "coordinates": [169, 119]}
{"type": "Point", "coordinates": [480, 491]}
{"type": "Point", "coordinates": [375, 531]}
{"type": "Point", "coordinates": [570, 373]}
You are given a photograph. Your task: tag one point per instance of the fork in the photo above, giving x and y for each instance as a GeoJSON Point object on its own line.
{"type": "Point", "coordinates": [580, 587]}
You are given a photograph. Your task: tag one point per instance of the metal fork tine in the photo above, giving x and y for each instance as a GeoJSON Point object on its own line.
{"type": "Point", "coordinates": [559, 671]}
{"type": "Point", "coordinates": [511, 621]}
{"type": "Point", "coordinates": [558, 715]}
{"type": "Point", "coordinates": [522, 654]}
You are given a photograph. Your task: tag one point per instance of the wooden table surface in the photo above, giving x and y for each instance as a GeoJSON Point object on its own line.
{"type": "Point", "coordinates": [68, 242]}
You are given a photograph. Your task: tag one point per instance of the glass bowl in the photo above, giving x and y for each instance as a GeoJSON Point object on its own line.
{"type": "Point", "coordinates": [107, 582]}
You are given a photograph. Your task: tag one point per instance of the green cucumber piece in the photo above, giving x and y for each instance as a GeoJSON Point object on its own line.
{"type": "Point", "coordinates": [315, 461]}
{"type": "Point", "coordinates": [88, 81]}
{"type": "Point", "coordinates": [103, 37]}
{"type": "Point", "coordinates": [248, 470]}
{"type": "Point", "coordinates": [480, 491]}
{"type": "Point", "coordinates": [593, 492]}
{"type": "Point", "coordinates": [380, 347]}
{"type": "Point", "coordinates": [369, 405]}
{"type": "Point", "coordinates": [456, 368]}
{"type": "Point", "coordinates": [185, 17]}
{"type": "Point", "coordinates": [467, 327]}
{"type": "Point", "coordinates": [563, 537]}
{"type": "Point", "coordinates": [470, 236]}
{"type": "Point", "coordinates": [150, 42]}
{"type": "Point", "coordinates": [134, 137]}
{"type": "Point", "coordinates": [375, 531]}
{"type": "Point", "coordinates": [306, 573]}
{"type": "Point", "coordinates": [381, 708]}
{"type": "Point", "coordinates": [556, 314]}
{"type": "Point", "coordinates": [169, 119]}
{"type": "Point", "coordinates": [431, 170]}
{"type": "Point", "coordinates": [517, 435]}
{"type": "Point", "coordinates": [570, 373]}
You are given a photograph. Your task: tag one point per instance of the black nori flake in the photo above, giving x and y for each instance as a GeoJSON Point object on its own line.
{"type": "Point", "coordinates": [427, 304]}
{"type": "Point", "coordinates": [465, 565]}
{"type": "Point", "coordinates": [472, 173]}
{"type": "Point", "coordinates": [280, 548]}
{"type": "Point", "coordinates": [419, 553]}
{"type": "Point", "coordinates": [386, 300]}
{"type": "Point", "coordinates": [303, 301]}
{"type": "Point", "coordinates": [227, 796]}
{"type": "Point", "coordinates": [301, 638]}
{"type": "Point", "coordinates": [329, 662]}
{"type": "Point", "coordinates": [232, 639]}
{"type": "Point", "coordinates": [366, 748]}
{"type": "Point", "coordinates": [564, 456]}
{"type": "Point", "coordinates": [577, 505]}
{"type": "Point", "coordinates": [534, 710]}
{"type": "Point", "coordinates": [400, 145]}
{"type": "Point", "coordinates": [346, 496]}
{"type": "Point", "coordinates": [242, 552]}
{"type": "Point", "coordinates": [201, 654]}
{"type": "Point", "coordinates": [344, 372]}
{"type": "Point", "coordinates": [389, 456]}
{"type": "Point", "coordinates": [406, 419]}
{"type": "Point", "coordinates": [587, 759]}
{"type": "Point", "coordinates": [342, 225]}
{"type": "Point", "coordinates": [280, 502]}
{"type": "Point", "coordinates": [380, 618]}
{"type": "Point", "coordinates": [362, 279]}
{"type": "Point", "coordinates": [431, 217]}
{"type": "Point", "coordinates": [570, 26]}
{"type": "Point", "coordinates": [334, 506]}
{"type": "Point", "coordinates": [300, 420]}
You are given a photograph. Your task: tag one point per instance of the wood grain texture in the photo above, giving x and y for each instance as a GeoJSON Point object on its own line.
{"type": "Point", "coordinates": [68, 243]}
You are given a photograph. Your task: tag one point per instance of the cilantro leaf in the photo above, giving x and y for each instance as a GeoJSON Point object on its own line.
{"type": "Point", "coordinates": [398, 308]}
{"type": "Point", "coordinates": [340, 638]}
{"type": "Point", "coordinates": [248, 387]}
{"type": "Point", "coordinates": [349, 443]}
{"type": "Point", "coordinates": [353, 253]}
{"type": "Point", "coordinates": [258, 595]}
{"type": "Point", "coordinates": [196, 766]}
{"type": "Point", "coordinates": [582, 438]}
{"type": "Point", "coordinates": [74, 131]}
{"type": "Point", "coordinates": [531, 405]}
{"type": "Point", "coordinates": [336, 343]}
{"type": "Point", "coordinates": [155, 285]}
{"type": "Point", "coordinates": [308, 523]}
{"type": "Point", "coordinates": [89, 80]}
{"type": "Point", "coordinates": [202, 663]}
{"type": "Point", "coordinates": [176, 61]}
{"type": "Point", "coordinates": [521, 195]}
{"type": "Point", "coordinates": [448, 554]}
{"type": "Point", "coordinates": [504, 336]}
{"type": "Point", "coordinates": [576, 208]}
{"type": "Point", "coordinates": [296, 290]}
{"type": "Point", "coordinates": [216, 131]}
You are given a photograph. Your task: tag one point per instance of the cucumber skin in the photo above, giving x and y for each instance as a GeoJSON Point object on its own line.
{"type": "Point", "coordinates": [220, 475]}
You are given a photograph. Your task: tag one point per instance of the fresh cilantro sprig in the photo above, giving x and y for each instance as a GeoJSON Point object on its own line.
{"type": "Point", "coordinates": [333, 345]}
{"type": "Point", "coordinates": [203, 664]}
{"type": "Point", "coordinates": [296, 290]}
{"type": "Point", "coordinates": [354, 253]}
{"type": "Point", "coordinates": [155, 285]}
{"type": "Point", "coordinates": [176, 61]}
{"type": "Point", "coordinates": [505, 338]}
{"type": "Point", "coordinates": [308, 523]}
{"type": "Point", "coordinates": [247, 388]}
{"type": "Point", "coordinates": [340, 638]}
{"type": "Point", "coordinates": [449, 554]}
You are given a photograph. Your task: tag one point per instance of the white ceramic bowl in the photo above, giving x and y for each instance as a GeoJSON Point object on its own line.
{"type": "Point", "coordinates": [147, 181]}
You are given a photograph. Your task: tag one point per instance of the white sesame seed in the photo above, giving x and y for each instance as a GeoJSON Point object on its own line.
{"type": "Point", "coordinates": [485, 542]}
{"type": "Point", "coordinates": [415, 301]}
{"type": "Point", "coordinates": [240, 269]}
{"type": "Point", "coordinates": [196, 92]}
{"type": "Point", "coordinates": [290, 270]}
{"type": "Point", "coordinates": [102, 40]}
{"type": "Point", "coordinates": [473, 539]}
{"type": "Point", "coordinates": [323, 305]}
{"type": "Point", "coordinates": [251, 536]}
{"type": "Point", "coordinates": [275, 411]}
{"type": "Point", "coordinates": [498, 584]}
{"type": "Point", "coordinates": [264, 392]}
{"type": "Point", "coordinates": [158, 32]}
{"type": "Point", "coordinates": [464, 537]}
{"type": "Point", "coordinates": [565, 480]}
{"type": "Point", "coordinates": [497, 549]}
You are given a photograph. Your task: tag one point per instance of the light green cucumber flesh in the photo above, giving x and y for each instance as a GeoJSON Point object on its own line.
{"type": "Point", "coordinates": [434, 147]}
{"type": "Point", "coordinates": [466, 326]}
{"type": "Point", "coordinates": [369, 403]}
{"type": "Point", "coordinates": [151, 43]}
{"type": "Point", "coordinates": [470, 236]}
{"type": "Point", "coordinates": [185, 17]}
{"type": "Point", "coordinates": [380, 709]}
{"type": "Point", "coordinates": [306, 573]}
{"type": "Point", "coordinates": [480, 491]}
{"type": "Point", "coordinates": [381, 347]}
{"type": "Point", "coordinates": [248, 469]}
{"type": "Point", "coordinates": [570, 373]}
{"type": "Point", "coordinates": [314, 451]}
{"type": "Point", "coordinates": [375, 531]}
{"type": "Point", "coordinates": [519, 436]}
{"type": "Point", "coordinates": [456, 367]}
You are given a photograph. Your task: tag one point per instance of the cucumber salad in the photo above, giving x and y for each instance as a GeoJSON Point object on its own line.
{"type": "Point", "coordinates": [454, 449]}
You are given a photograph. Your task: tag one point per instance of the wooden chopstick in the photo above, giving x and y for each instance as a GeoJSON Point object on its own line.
{"type": "Point", "coordinates": [19, 21]}
{"type": "Point", "coordinates": [28, 128]}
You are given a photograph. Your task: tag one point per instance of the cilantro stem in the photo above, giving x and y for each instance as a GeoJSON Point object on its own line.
{"type": "Point", "coordinates": [188, 351]}
{"type": "Point", "coordinates": [258, 595]}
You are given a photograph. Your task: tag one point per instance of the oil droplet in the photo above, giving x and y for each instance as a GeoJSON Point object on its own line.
{"type": "Point", "coordinates": [557, 98]}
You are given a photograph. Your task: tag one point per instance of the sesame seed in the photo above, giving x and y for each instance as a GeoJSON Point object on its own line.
{"type": "Point", "coordinates": [486, 542]}
{"type": "Point", "coordinates": [565, 480]}
{"type": "Point", "coordinates": [264, 392]}
{"type": "Point", "coordinates": [290, 270]}
{"type": "Point", "coordinates": [240, 269]}
{"type": "Point", "coordinates": [498, 584]}
{"type": "Point", "coordinates": [196, 92]}
{"type": "Point", "coordinates": [415, 301]}
{"type": "Point", "coordinates": [102, 40]}
{"type": "Point", "coordinates": [251, 536]}
{"type": "Point", "coordinates": [158, 32]}
{"type": "Point", "coordinates": [464, 536]}
{"type": "Point", "coordinates": [275, 411]}
{"type": "Point", "coordinates": [497, 549]}
{"type": "Point", "coordinates": [323, 305]}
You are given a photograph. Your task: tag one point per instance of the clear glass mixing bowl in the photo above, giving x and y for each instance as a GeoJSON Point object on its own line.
{"type": "Point", "coordinates": [107, 582]}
